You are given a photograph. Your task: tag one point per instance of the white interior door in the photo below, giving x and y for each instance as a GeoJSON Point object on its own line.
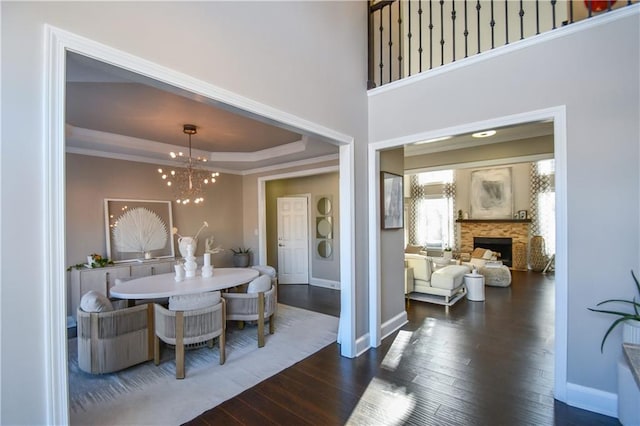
{"type": "Point", "coordinates": [293, 240]}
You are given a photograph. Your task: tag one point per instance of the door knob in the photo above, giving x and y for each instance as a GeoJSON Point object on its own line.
{"type": "Point", "coordinates": [280, 245]}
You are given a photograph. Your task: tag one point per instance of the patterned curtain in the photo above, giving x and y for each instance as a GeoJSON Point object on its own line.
{"type": "Point", "coordinates": [449, 193]}
{"type": "Point", "coordinates": [543, 203]}
{"type": "Point", "coordinates": [417, 193]}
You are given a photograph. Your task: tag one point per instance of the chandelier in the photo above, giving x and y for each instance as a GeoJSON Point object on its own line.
{"type": "Point", "coordinates": [189, 180]}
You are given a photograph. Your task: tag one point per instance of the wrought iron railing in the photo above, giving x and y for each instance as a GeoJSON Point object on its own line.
{"type": "Point", "coordinates": [408, 37]}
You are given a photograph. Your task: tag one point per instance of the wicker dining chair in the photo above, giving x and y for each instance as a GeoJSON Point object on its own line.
{"type": "Point", "coordinates": [190, 319]}
{"type": "Point", "coordinates": [257, 304]}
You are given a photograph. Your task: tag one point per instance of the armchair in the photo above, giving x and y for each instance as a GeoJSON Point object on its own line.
{"type": "Point", "coordinates": [190, 319]}
{"type": "Point", "coordinates": [111, 336]}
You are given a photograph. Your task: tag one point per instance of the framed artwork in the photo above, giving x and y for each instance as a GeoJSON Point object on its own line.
{"type": "Point", "coordinates": [138, 229]}
{"type": "Point", "coordinates": [491, 194]}
{"type": "Point", "coordinates": [392, 212]}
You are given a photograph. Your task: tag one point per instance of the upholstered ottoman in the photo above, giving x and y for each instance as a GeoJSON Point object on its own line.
{"type": "Point", "coordinates": [496, 276]}
{"type": "Point", "coordinates": [449, 277]}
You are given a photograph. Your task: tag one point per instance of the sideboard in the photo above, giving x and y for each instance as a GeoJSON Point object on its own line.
{"type": "Point", "coordinates": [101, 280]}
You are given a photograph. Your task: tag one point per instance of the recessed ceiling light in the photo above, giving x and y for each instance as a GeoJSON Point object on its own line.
{"type": "Point", "coordinates": [441, 138]}
{"type": "Point", "coordinates": [484, 134]}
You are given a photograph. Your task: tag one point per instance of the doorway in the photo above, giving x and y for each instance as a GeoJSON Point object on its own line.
{"type": "Point", "coordinates": [60, 42]}
{"type": "Point", "coordinates": [558, 116]}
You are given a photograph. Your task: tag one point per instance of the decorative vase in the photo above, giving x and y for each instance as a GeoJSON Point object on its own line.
{"type": "Point", "coordinates": [184, 243]}
{"type": "Point", "coordinates": [631, 332]}
{"type": "Point", "coordinates": [599, 5]}
{"type": "Point", "coordinates": [537, 258]}
{"type": "Point", "coordinates": [241, 260]}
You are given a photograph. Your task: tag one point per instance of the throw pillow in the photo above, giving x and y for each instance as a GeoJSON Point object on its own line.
{"type": "Point", "coordinates": [478, 252]}
{"type": "Point", "coordinates": [190, 302]}
{"type": "Point", "coordinates": [411, 249]}
{"type": "Point", "coordinates": [262, 283]}
{"type": "Point", "coordinates": [92, 301]}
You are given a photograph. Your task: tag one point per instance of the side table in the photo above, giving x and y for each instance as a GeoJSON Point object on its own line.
{"type": "Point", "coordinates": [475, 287]}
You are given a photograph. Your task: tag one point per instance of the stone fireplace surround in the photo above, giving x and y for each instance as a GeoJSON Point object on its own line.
{"type": "Point", "coordinates": [516, 229]}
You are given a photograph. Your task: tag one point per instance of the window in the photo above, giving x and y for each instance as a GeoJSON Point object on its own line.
{"type": "Point", "coordinates": [431, 210]}
{"type": "Point", "coordinates": [433, 222]}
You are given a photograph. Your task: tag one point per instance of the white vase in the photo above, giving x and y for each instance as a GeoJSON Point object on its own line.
{"type": "Point", "coordinates": [184, 242]}
{"type": "Point", "coordinates": [631, 332]}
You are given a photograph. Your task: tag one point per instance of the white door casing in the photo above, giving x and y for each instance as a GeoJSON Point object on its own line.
{"type": "Point", "coordinates": [293, 240]}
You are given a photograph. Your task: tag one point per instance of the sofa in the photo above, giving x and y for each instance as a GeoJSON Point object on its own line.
{"type": "Point", "coordinates": [444, 286]}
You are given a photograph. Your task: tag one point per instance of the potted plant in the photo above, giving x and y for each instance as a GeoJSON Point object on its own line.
{"type": "Point", "coordinates": [241, 257]}
{"type": "Point", "coordinates": [630, 320]}
{"type": "Point", "coordinates": [447, 253]}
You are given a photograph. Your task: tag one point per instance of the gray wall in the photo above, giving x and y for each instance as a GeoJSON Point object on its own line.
{"type": "Point", "coordinates": [304, 58]}
{"type": "Point", "coordinates": [392, 250]}
{"type": "Point", "coordinates": [316, 185]}
{"type": "Point", "coordinates": [598, 82]}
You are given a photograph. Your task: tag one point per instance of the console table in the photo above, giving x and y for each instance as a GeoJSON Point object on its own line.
{"type": "Point", "coordinates": [101, 280]}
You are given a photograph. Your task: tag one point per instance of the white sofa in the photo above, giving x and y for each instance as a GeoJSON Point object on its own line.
{"type": "Point", "coordinates": [446, 284]}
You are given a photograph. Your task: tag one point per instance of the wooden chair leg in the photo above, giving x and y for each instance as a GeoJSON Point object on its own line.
{"type": "Point", "coordinates": [179, 345]}
{"type": "Point", "coordinates": [151, 331]}
{"type": "Point", "coordinates": [156, 350]}
{"type": "Point", "coordinates": [260, 319]}
{"type": "Point", "coordinates": [272, 321]}
{"type": "Point", "coordinates": [222, 338]}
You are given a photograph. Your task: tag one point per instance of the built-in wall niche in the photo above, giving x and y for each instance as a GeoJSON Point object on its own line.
{"type": "Point", "coordinates": [324, 227]}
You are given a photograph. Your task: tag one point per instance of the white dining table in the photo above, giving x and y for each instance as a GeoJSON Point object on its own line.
{"type": "Point", "coordinates": [165, 285]}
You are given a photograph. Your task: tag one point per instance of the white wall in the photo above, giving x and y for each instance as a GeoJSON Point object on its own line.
{"type": "Point", "coordinates": [304, 58]}
{"type": "Point", "coordinates": [597, 80]}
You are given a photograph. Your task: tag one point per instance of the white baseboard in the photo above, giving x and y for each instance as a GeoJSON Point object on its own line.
{"type": "Point", "coordinates": [320, 282]}
{"type": "Point", "coordinates": [362, 344]}
{"type": "Point", "coordinates": [592, 400]}
{"type": "Point", "coordinates": [395, 323]}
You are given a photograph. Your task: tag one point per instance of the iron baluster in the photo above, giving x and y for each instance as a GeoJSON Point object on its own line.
{"type": "Point", "coordinates": [441, 32]}
{"type": "Point", "coordinates": [506, 22]}
{"type": "Point", "coordinates": [478, 15]}
{"type": "Point", "coordinates": [400, 73]}
{"type": "Point", "coordinates": [409, 37]}
{"type": "Point", "coordinates": [553, 14]}
{"type": "Point", "coordinates": [453, 31]}
{"type": "Point", "coordinates": [420, 34]}
{"type": "Point", "coordinates": [537, 17]}
{"type": "Point", "coordinates": [466, 31]}
{"type": "Point", "coordinates": [390, 46]}
{"type": "Point", "coordinates": [430, 34]}
{"type": "Point", "coordinates": [521, 13]}
{"type": "Point", "coordinates": [492, 23]}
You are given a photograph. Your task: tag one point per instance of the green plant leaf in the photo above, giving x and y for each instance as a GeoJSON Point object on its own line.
{"type": "Point", "coordinates": [615, 323]}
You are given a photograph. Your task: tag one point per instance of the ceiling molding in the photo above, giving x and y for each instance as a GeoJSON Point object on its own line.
{"type": "Point", "coordinates": [315, 160]}
{"type": "Point", "coordinates": [111, 145]}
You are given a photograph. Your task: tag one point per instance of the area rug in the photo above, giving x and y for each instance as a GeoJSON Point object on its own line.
{"type": "Point", "coordinates": [150, 395]}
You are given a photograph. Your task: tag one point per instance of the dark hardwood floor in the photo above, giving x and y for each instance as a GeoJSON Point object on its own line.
{"type": "Point", "coordinates": [480, 363]}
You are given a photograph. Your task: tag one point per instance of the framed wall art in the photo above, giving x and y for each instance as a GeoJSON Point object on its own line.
{"type": "Point", "coordinates": [391, 200]}
{"type": "Point", "coordinates": [491, 194]}
{"type": "Point", "coordinates": [138, 229]}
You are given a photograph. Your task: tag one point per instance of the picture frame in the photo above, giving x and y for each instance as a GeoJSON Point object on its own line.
{"type": "Point", "coordinates": [391, 201]}
{"type": "Point", "coordinates": [114, 208]}
{"type": "Point", "coordinates": [491, 194]}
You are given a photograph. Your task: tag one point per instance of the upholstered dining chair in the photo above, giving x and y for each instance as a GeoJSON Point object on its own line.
{"type": "Point", "coordinates": [190, 319]}
{"type": "Point", "coordinates": [112, 336]}
{"type": "Point", "coordinates": [257, 304]}
{"type": "Point", "coordinates": [272, 273]}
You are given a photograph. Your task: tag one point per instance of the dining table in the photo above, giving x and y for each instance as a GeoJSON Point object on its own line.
{"type": "Point", "coordinates": [165, 285]}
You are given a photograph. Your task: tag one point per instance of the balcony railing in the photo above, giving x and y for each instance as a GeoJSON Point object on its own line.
{"type": "Point", "coordinates": [408, 37]}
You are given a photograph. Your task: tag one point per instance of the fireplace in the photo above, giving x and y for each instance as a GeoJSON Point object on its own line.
{"type": "Point", "coordinates": [499, 245]}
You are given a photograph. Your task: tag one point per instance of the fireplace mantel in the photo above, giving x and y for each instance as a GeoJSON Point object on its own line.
{"type": "Point", "coordinates": [493, 220]}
